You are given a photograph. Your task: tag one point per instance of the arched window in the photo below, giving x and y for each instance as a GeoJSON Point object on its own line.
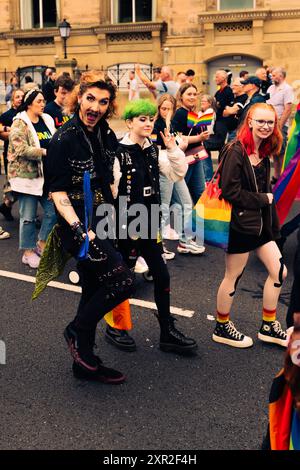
{"type": "Point", "coordinates": [38, 13]}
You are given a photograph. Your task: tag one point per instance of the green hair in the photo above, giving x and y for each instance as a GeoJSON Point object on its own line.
{"type": "Point", "coordinates": [137, 108]}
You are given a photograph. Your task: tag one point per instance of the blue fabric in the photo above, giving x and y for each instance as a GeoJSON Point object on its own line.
{"type": "Point", "coordinates": [88, 209]}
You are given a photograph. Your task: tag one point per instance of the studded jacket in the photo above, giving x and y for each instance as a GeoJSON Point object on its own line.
{"type": "Point", "coordinates": [140, 168]}
{"type": "Point", "coordinates": [72, 152]}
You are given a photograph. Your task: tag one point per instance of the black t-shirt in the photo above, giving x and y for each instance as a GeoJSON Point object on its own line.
{"type": "Point", "coordinates": [179, 124]}
{"type": "Point", "coordinates": [6, 119]}
{"type": "Point", "coordinates": [224, 97]}
{"type": "Point", "coordinates": [43, 133]}
{"type": "Point", "coordinates": [233, 120]}
{"type": "Point", "coordinates": [56, 113]}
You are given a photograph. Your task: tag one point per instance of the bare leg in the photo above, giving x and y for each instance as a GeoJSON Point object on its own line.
{"type": "Point", "coordinates": [235, 265]}
{"type": "Point", "coordinates": [271, 257]}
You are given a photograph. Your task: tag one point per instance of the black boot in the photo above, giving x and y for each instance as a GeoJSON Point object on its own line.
{"type": "Point", "coordinates": [120, 338]}
{"type": "Point", "coordinates": [172, 339]}
{"type": "Point", "coordinates": [6, 212]}
{"type": "Point", "coordinates": [86, 365]}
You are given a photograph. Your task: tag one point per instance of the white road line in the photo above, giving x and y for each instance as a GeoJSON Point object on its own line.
{"type": "Point", "coordinates": [72, 288]}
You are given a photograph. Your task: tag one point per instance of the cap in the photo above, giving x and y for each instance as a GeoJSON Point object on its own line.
{"type": "Point", "coordinates": [252, 79]}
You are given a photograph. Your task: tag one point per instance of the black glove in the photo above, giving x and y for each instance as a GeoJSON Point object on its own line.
{"type": "Point", "coordinates": [79, 232]}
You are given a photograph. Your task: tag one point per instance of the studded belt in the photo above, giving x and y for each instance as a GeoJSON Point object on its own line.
{"type": "Point", "coordinates": [79, 196]}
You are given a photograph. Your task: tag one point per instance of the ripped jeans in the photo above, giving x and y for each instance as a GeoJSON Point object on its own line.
{"type": "Point", "coordinates": [28, 213]}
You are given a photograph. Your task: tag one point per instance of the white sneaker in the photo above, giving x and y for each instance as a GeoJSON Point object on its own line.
{"type": "Point", "coordinates": [4, 234]}
{"type": "Point", "coordinates": [190, 246]}
{"type": "Point", "coordinates": [169, 233]}
{"type": "Point", "coordinates": [141, 266]}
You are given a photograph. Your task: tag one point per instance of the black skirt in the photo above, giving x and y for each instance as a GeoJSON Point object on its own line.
{"type": "Point", "coordinates": [243, 243]}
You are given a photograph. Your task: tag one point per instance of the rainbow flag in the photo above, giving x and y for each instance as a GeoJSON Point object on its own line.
{"type": "Point", "coordinates": [153, 137]}
{"type": "Point", "coordinates": [287, 187]}
{"type": "Point", "coordinates": [120, 317]}
{"type": "Point", "coordinates": [295, 432]}
{"type": "Point", "coordinates": [205, 119]}
{"type": "Point", "coordinates": [294, 140]}
{"type": "Point", "coordinates": [192, 119]}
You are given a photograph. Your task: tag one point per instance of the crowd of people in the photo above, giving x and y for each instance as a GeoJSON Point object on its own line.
{"type": "Point", "coordinates": [60, 151]}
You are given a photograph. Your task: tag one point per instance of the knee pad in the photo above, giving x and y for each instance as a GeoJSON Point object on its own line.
{"type": "Point", "coordinates": [236, 283]}
{"type": "Point", "coordinates": [280, 274]}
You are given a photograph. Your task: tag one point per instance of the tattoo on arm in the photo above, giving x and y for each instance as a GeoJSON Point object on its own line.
{"type": "Point", "coordinates": [65, 202]}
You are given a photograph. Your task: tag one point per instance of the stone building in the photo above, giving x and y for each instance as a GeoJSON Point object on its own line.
{"type": "Point", "coordinates": [199, 34]}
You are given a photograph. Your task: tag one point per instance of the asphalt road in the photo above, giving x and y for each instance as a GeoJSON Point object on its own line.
{"type": "Point", "coordinates": [214, 400]}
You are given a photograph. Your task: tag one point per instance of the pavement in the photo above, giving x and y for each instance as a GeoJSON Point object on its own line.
{"type": "Point", "coordinates": [217, 399]}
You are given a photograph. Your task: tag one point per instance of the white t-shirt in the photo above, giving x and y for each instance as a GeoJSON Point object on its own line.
{"type": "Point", "coordinates": [134, 93]}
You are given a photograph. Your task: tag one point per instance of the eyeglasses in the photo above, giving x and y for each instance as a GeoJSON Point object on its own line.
{"type": "Point", "coordinates": [262, 123]}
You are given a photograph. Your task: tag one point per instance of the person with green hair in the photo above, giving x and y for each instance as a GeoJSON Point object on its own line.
{"type": "Point", "coordinates": [141, 163]}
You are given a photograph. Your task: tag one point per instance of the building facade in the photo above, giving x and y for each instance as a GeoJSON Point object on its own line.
{"type": "Point", "coordinates": [199, 34]}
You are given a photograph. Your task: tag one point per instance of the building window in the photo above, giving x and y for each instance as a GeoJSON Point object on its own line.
{"type": "Point", "coordinates": [131, 11]}
{"type": "Point", "coordinates": [235, 4]}
{"type": "Point", "coordinates": [38, 13]}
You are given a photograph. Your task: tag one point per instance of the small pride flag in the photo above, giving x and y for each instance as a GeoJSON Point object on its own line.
{"type": "Point", "coordinates": [205, 119]}
{"type": "Point", "coordinates": [153, 137]}
{"type": "Point", "coordinates": [194, 121]}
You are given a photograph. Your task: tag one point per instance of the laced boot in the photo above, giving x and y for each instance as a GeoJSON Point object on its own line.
{"type": "Point", "coordinates": [172, 339]}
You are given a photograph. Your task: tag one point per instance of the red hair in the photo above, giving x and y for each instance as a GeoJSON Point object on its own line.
{"type": "Point", "coordinates": [269, 146]}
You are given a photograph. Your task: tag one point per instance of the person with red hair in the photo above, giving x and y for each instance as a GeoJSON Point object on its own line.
{"type": "Point", "coordinates": [245, 183]}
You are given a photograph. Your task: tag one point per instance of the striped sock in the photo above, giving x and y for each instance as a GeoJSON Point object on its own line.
{"type": "Point", "coordinates": [269, 315]}
{"type": "Point", "coordinates": [222, 317]}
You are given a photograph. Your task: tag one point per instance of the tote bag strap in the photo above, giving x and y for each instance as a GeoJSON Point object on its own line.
{"type": "Point", "coordinates": [224, 154]}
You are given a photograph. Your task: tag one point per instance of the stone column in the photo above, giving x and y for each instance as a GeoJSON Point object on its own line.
{"type": "Point", "coordinates": [65, 65]}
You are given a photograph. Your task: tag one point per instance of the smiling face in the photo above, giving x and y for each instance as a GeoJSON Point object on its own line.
{"type": "Point", "coordinates": [37, 107]}
{"type": "Point", "coordinates": [140, 127]}
{"type": "Point", "coordinates": [204, 104]}
{"type": "Point", "coordinates": [93, 105]}
{"type": "Point", "coordinates": [189, 98]}
{"type": "Point", "coordinates": [262, 123]}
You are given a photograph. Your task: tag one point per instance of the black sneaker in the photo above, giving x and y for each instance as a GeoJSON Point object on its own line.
{"type": "Point", "coordinates": [172, 340]}
{"type": "Point", "coordinates": [81, 349]}
{"type": "Point", "coordinates": [102, 374]}
{"type": "Point", "coordinates": [120, 338]}
{"type": "Point", "coordinates": [271, 332]}
{"type": "Point", "coordinates": [6, 212]}
{"type": "Point", "coordinates": [226, 333]}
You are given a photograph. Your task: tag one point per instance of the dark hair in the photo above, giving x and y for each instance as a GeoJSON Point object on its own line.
{"type": "Point", "coordinates": [28, 98]}
{"type": "Point", "coordinates": [190, 73]}
{"type": "Point", "coordinates": [28, 79]}
{"type": "Point", "coordinates": [243, 73]}
{"type": "Point", "coordinates": [64, 81]}
{"type": "Point", "coordinates": [88, 80]}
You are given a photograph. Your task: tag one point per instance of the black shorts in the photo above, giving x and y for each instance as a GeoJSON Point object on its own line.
{"type": "Point", "coordinates": [243, 243]}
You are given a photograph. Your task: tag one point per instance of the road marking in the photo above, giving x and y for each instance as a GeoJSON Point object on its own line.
{"type": "Point", "coordinates": [77, 289]}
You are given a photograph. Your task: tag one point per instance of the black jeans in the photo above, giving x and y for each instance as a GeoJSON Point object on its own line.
{"type": "Point", "coordinates": [295, 294]}
{"type": "Point", "coordinates": [105, 283]}
{"type": "Point", "coordinates": [152, 252]}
